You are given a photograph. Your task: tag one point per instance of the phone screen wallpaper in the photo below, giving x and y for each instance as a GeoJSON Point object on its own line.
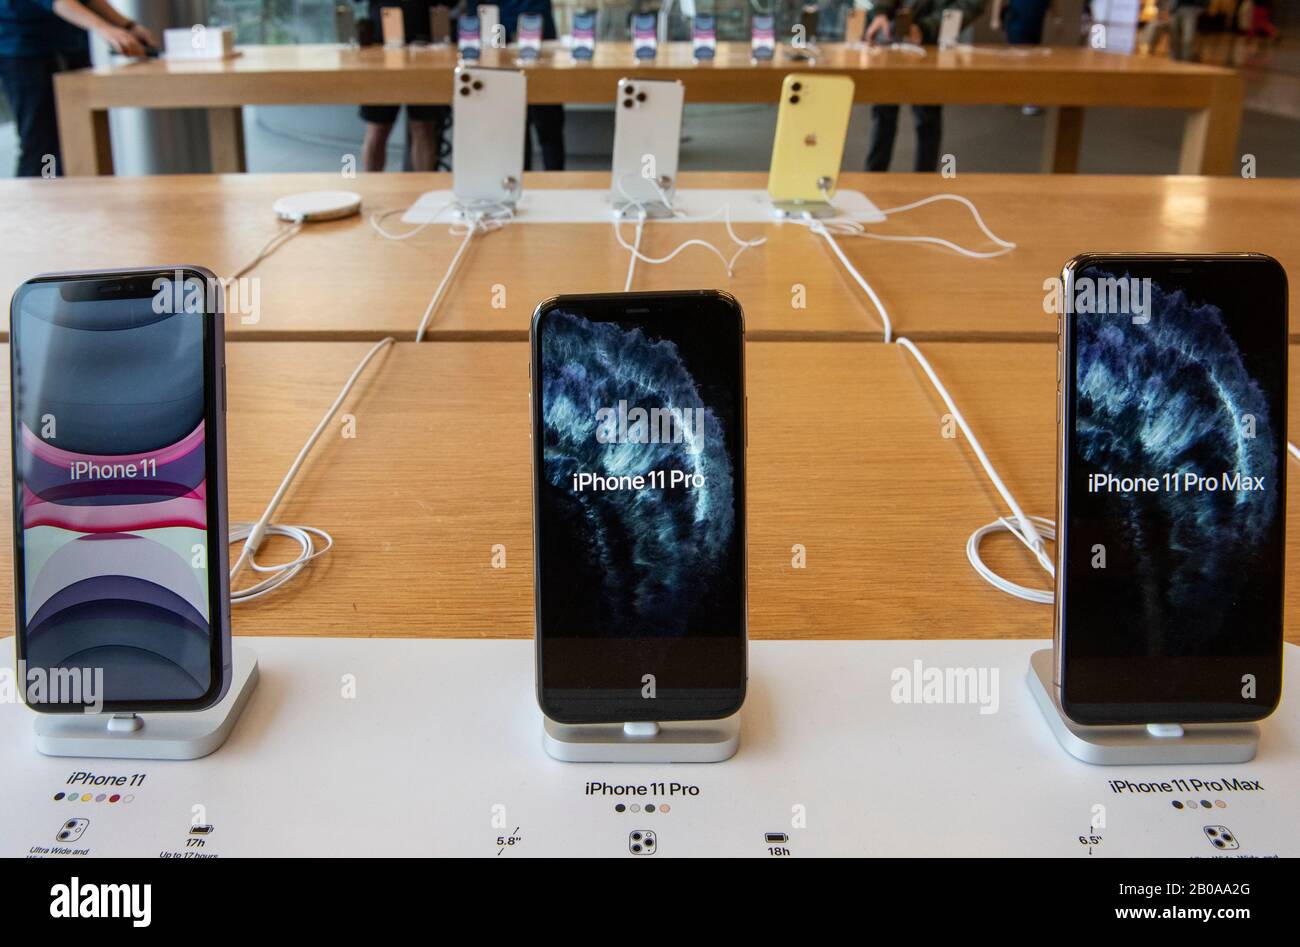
{"type": "Point", "coordinates": [640, 500]}
{"type": "Point", "coordinates": [1175, 473]}
{"type": "Point", "coordinates": [111, 493]}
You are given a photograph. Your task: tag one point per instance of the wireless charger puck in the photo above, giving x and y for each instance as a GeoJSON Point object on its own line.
{"type": "Point", "coordinates": [318, 205]}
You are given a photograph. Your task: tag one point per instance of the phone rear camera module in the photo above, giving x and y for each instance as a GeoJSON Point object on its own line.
{"type": "Point", "coordinates": [796, 86]}
{"type": "Point", "coordinates": [464, 90]}
{"type": "Point", "coordinates": [629, 90]}
{"type": "Point", "coordinates": [478, 84]}
{"type": "Point", "coordinates": [794, 100]}
{"type": "Point", "coordinates": [640, 96]}
{"type": "Point", "coordinates": [627, 103]}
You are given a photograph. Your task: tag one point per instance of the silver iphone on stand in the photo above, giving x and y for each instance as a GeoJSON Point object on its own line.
{"type": "Point", "coordinates": [489, 109]}
{"type": "Point", "coordinates": [647, 137]}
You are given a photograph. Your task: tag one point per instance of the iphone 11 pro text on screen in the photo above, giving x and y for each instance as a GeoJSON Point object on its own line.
{"type": "Point", "coordinates": [638, 405]}
{"type": "Point", "coordinates": [120, 565]}
{"type": "Point", "coordinates": [1171, 504]}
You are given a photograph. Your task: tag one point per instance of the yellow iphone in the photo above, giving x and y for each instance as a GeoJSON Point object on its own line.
{"type": "Point", "coordinates": [811, 126]}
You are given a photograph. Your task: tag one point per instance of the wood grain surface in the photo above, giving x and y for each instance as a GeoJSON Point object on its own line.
{"type": "Point", "coordinates": [341, 281]}
{"type": "Point", "coordinates": [846, 457]}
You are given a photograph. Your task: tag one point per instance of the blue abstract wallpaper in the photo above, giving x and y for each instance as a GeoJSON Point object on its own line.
{"type": "Point", "coordinates": [1188, 392]}
{"type": "Point", "coordinates": [663, 560]}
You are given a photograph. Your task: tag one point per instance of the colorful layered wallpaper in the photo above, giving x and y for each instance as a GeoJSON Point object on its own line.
{"type": "Point", "coordinates": [112, 494]}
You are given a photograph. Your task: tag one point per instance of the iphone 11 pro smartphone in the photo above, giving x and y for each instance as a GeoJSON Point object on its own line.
{"type": "Point", "coordinates": [119, 488]}
{"type": "Point", "coordinates": [489, 108]}
{"type": "Point", "coordinates": [1171, 503]}
{"type": "Point", "coordinates": [647, 138]}
{"type": "Point", "coordinates": [811, 125]}
{"type": "Point", "coordinates": [638, 404]}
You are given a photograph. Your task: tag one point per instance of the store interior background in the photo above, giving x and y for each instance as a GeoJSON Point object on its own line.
{"type": "Point", "coordinates": [736, 137]}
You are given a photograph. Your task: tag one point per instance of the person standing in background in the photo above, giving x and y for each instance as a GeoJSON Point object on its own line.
{"type": "Point", "coordinates": [424, 123]}
{"type": "Point", "coordinates": [1022, 19]}
{"type": "Point", "coordinates": [1184, 15]}
{"type": "Point", "coordinates": [926, 17]}
{"type": "Point", "coordinates": [38, 40]}
{"type": "Point", "coordinates": [546, 122]}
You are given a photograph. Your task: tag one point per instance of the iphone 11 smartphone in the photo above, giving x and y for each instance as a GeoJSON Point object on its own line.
{"type": "Point", "coordinates": [121, 572]}
{"type": "Point", "coordinates": [812, 123]}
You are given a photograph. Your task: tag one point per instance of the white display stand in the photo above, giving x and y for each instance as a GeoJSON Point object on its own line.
{"type": "Point", "coordinates": [596, 206]}
{"type": "Point", "coordinates": [1153, 744]}
{"type": "Point", "coordinates": [414, 747]}
{"type": "Point", "coordinates": [151, 736]}
{"type": "Point", "coordinates": [697, 741]}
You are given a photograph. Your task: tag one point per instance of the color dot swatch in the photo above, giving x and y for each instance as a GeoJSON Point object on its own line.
{"type": "Point", "coordinates": [89, 797]}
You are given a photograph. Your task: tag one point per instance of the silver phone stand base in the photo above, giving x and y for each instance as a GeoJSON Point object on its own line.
{"type": "Point", "coordinates": [1154, 744]}
{"type": "Point", "coordinates": [654, 210]}
{"type": "Point", "coordinates": [151, 736]}
{"type": "Point", "coordinates": [695, 741]}
{"type": "Point", "coordinates": [814, 209]}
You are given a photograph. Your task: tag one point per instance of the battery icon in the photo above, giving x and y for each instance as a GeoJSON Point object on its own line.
{"type": "Point", "coordinates": [200, 830]}
{"type": "Point", "coordinates": [775, 838]}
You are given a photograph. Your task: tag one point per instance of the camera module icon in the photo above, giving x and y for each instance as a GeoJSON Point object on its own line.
{"type": "Point", "coordinates": [72, 830]}
{"type": "Point", "coordinates": [1221, 837]}
{"type": "Point", "coordinates": [642, 842]}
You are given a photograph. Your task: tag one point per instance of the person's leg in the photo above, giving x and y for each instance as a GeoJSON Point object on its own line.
{"type": "Point", "coordinates": [374, 147]}
{"type": "Point", "coordinates": [424, 145]}
{"type": "Point", "coordinates": [547, 122]}
{"type": "Point", "coordinates": [550, 135]}
{"type": "Point", "coordinates": [29, 86]}
{"type": "Point", "coordinates": [1182, 33]}
{"type": "Point", "coordinates": [929, 134]}
{"type": "Point", "coordinates": [1190, 35]}
{"type": "Point", "coordinates": [424, 126]}
{"type": "Point", "coordinates": [884, 125]}
{"type": "Point", "coordinates": [379, 121]}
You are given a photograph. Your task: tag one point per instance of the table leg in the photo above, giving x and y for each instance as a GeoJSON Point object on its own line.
{"type": "Point", "coordinates": [226, 140]}
{"type": "Point", "coordinates": [1062, 137]}
{"type": "Point", "coordinates": [1210, 134]}
{"type": "Point", "coordinates": [83, 131]}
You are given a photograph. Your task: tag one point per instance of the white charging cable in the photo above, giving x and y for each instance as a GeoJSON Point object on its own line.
{"type": "Point", "coordinates": [641, 215]}
{"type": "Point", "coordinates": [854, 228]}
{"type": "Point", "coordinates": [280, 238]}
{"type": "Point", "coordinates": [253, 534]}
{"type": "Point", "coordinates": [1031, 531]}
{"type": "Point", "coordinates": [476, 218]}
